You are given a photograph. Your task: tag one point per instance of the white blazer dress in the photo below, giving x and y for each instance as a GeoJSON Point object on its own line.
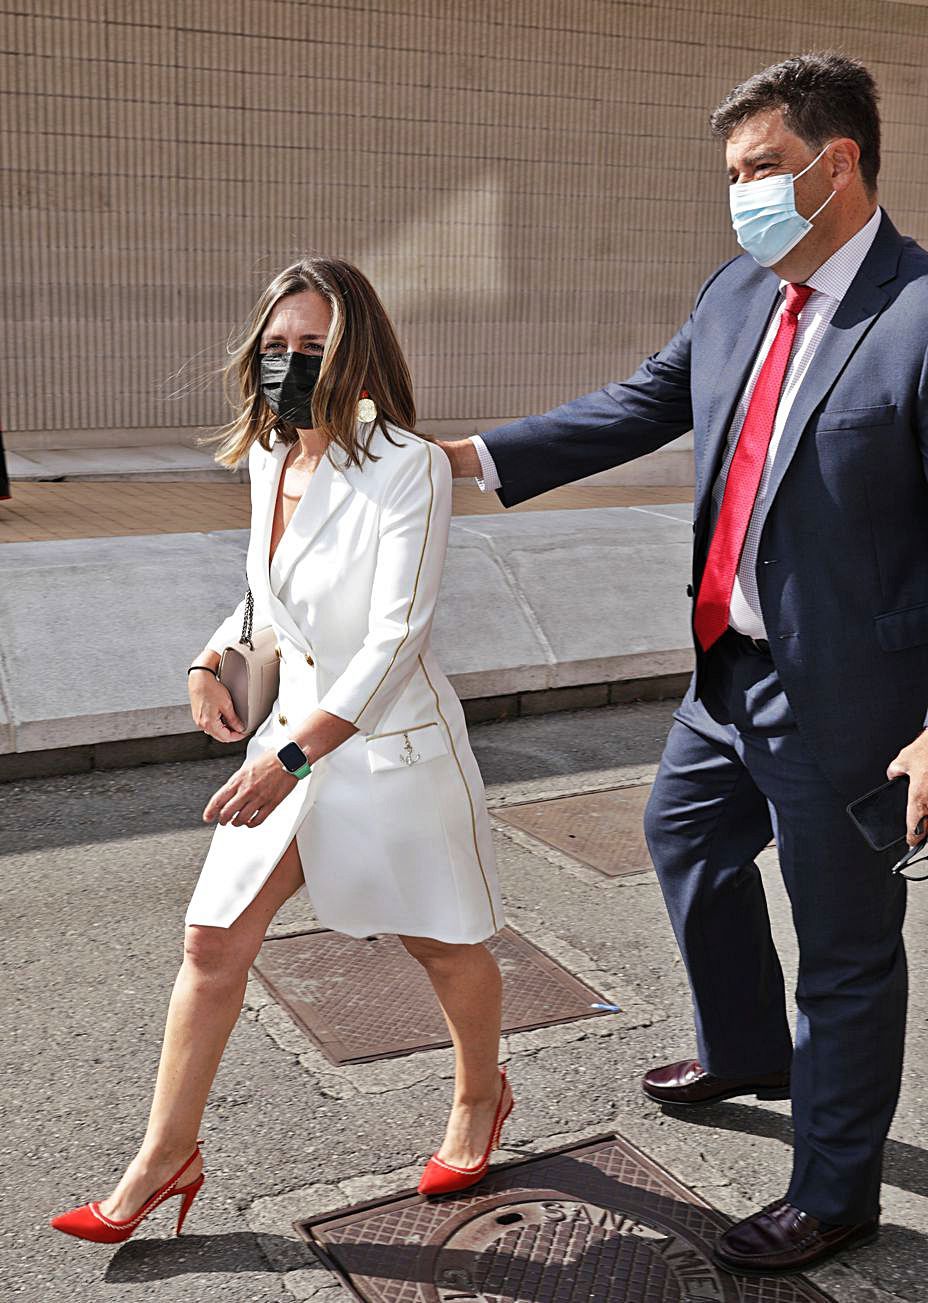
{"type": "Point", "coordinates": [392, 826]}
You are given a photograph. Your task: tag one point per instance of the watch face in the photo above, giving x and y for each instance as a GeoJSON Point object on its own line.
{"type": "Point", "coordinates": [292, 756]}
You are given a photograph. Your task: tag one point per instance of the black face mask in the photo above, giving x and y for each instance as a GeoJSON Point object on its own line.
{"type": "Point", "coordinates": [287, 383]}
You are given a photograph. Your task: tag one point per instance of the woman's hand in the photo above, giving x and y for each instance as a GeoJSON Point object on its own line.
{"type": "Point", "coordinates": [251, 793]}
{"type": "Point", "coordinates": [212, 709]}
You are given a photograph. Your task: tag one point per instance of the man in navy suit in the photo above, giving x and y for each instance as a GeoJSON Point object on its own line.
{"type": "Point", "coordinates": [803, 372]}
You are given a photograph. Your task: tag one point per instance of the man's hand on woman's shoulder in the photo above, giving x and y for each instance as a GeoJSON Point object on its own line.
{"type": "Point", "coordinates": [463, 457]}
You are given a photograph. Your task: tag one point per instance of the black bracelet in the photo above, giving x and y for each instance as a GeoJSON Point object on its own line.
{"type": "Point", "coordinates": [208, 669]}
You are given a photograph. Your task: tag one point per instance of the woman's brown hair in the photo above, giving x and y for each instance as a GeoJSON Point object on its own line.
{"type": "Point", "coordinates": [361, 352]}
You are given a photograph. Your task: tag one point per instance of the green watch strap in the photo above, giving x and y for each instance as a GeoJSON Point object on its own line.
{"type": "Point", "coordinates": [303, 771]}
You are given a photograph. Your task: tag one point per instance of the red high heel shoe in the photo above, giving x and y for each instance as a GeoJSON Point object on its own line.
{"type": "Point", "coordinates": [440, 1177]}
{"type": "Point", "coordinates": [88, 1223]}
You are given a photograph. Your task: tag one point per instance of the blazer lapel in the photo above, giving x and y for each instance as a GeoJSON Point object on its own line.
{"type": "Point", "coordinates": [263, 487]}
{"type": "Point", "coordinates": [730, 383]}
{"type": "Point", "coordinates": [265, 495]}
{"type": "Point", "coordinates": [327, 489]}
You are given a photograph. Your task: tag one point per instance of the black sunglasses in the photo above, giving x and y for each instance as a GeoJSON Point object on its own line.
{"type": "Point", "coordinates": [914, 855]}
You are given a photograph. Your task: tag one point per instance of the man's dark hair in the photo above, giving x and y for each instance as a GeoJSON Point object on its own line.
{"type": "Point", "coordinates": [821, 95]}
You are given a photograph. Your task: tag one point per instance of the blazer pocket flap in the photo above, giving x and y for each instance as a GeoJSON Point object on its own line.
{"type": "Point", "coordinates": [857, 417]}
{"type": "Point", "coordinates": [900, 629]}
{"type": "Point", "coordinates": [402, 750]}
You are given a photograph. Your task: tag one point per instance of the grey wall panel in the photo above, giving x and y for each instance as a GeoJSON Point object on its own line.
{"type": "Point", "coordinates": [531, 185]}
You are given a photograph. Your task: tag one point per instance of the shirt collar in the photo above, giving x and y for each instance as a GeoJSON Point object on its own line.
{"type": "Point", "coordinates": [836, 273]}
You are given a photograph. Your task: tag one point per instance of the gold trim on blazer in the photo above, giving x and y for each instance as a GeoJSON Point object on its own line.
{"type": "Point", "coordinates": [395, 732]}
{"type": "Point", "coordinates": [470, 799]}
{"type": "Point", "coordinates": [415, 588]}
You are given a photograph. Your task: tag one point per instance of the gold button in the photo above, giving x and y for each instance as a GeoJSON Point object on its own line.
{"type": "Point", "coordinates": [309, 659]}
{"type": "Point", "coordinates": [282, 719]}
{"type": "Point", "coordinates": [278, 653]}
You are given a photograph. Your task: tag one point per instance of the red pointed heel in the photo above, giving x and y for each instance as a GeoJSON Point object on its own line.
{"type": "Point", "coordinates": [88, 1223]}
{"type": "Point", "coordinates": [440, 1177]}
{"type": "Point", "coordinates": [189, 1192]}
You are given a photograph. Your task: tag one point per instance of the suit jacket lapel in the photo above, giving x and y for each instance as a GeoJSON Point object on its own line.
{"type": "Point", "coordinates": [856, 313]}
{"type": "Point", "coordinates": [730, 383]}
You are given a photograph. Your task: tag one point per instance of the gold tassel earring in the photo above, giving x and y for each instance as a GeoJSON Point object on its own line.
{"type": "Point", "coordinates": [367, 409]}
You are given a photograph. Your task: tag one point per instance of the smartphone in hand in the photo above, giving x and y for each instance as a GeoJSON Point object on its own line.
{"type": "Point", "coordinates": [879, 816]}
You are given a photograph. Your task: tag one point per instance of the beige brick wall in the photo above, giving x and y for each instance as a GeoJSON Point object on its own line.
{"type": "Point", "coordinates": [531, 186]}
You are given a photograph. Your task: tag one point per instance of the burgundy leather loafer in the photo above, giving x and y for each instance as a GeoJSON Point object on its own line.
{"type": "Point", "coordinates": [687, 1083]}
{"type": "Point", "coordinates": [780, 1238]}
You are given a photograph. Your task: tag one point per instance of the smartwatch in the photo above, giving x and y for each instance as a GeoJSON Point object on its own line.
{"type": "Point", "coordinates": [293, 758]}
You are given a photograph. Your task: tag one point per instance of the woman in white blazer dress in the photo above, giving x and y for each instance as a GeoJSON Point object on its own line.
{"type": "Point", "coordinates": [388, 832]}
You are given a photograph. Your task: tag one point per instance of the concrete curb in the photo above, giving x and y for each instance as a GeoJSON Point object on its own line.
{"type": "Point", "coordinates": [128, 753]}
{"type": "Point", "coordinates": [539, 611]}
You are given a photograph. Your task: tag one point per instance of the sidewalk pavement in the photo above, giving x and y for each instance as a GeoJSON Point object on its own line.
{"type": "Point", "coordinates": [98, 869]}
{"type": "Point", "coordinates": [107, 508]}
{"type": "Point", "coordinates": [512, 629]}
{"type": "Point", "coordinates": [141, 457]}
{"type": "Point", "coordinates": [150, 461]}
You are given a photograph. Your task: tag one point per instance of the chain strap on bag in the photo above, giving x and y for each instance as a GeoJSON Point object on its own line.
{"type": "Point", "coordinates": [251, 670]}
{"type": "Point", "coordinates": [249, 619]}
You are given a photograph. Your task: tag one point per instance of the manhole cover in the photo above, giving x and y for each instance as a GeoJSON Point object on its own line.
{"type": "Point", "coordinates": [364, 1000]}
{"type": "Point", "coordinates": [602, 829]}
{"type": "Point", "coordinates": [596, 1223]}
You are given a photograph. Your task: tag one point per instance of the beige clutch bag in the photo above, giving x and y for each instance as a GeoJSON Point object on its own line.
{"type": "Point", "coordinates": [251, 671]}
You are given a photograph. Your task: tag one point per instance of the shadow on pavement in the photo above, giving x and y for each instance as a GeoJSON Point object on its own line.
{"type": "Point", "coordinates": [104, 805]}
{"type": "Point", "coordinates": [896, 1261]}
{"type": "Point", "coordinates": [572, 741]}
{"type": "Point", "coordinates": [905, 1166]}
{"type": "Point", "coordinates": [229, 1253]}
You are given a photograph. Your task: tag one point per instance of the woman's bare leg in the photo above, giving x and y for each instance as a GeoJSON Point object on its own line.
{"type": "Point", "coordinates": [204, 1007]}
{"type": "Point", "coordinates": [467, 981]}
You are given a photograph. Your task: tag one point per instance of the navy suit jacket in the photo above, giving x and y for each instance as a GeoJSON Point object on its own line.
{"type": "Point", "coordinates": [843, 560]}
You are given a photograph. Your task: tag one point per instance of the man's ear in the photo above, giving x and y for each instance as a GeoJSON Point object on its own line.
{"type": "Point", "coordinates": [844, 158]}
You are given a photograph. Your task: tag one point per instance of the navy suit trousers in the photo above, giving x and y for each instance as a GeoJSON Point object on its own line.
{"type": "Point", "coordinates": [735, 769]}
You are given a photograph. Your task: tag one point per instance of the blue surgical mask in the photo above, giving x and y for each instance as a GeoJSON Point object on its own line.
{"type": "Point", "coordinates": [765, 218]}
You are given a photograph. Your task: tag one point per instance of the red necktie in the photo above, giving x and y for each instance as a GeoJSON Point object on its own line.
{"type": "Point", "coordinates": [744, 474]}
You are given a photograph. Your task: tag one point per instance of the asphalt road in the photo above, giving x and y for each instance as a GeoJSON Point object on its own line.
{"type": "Point", "coordinates": [97, 872]}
